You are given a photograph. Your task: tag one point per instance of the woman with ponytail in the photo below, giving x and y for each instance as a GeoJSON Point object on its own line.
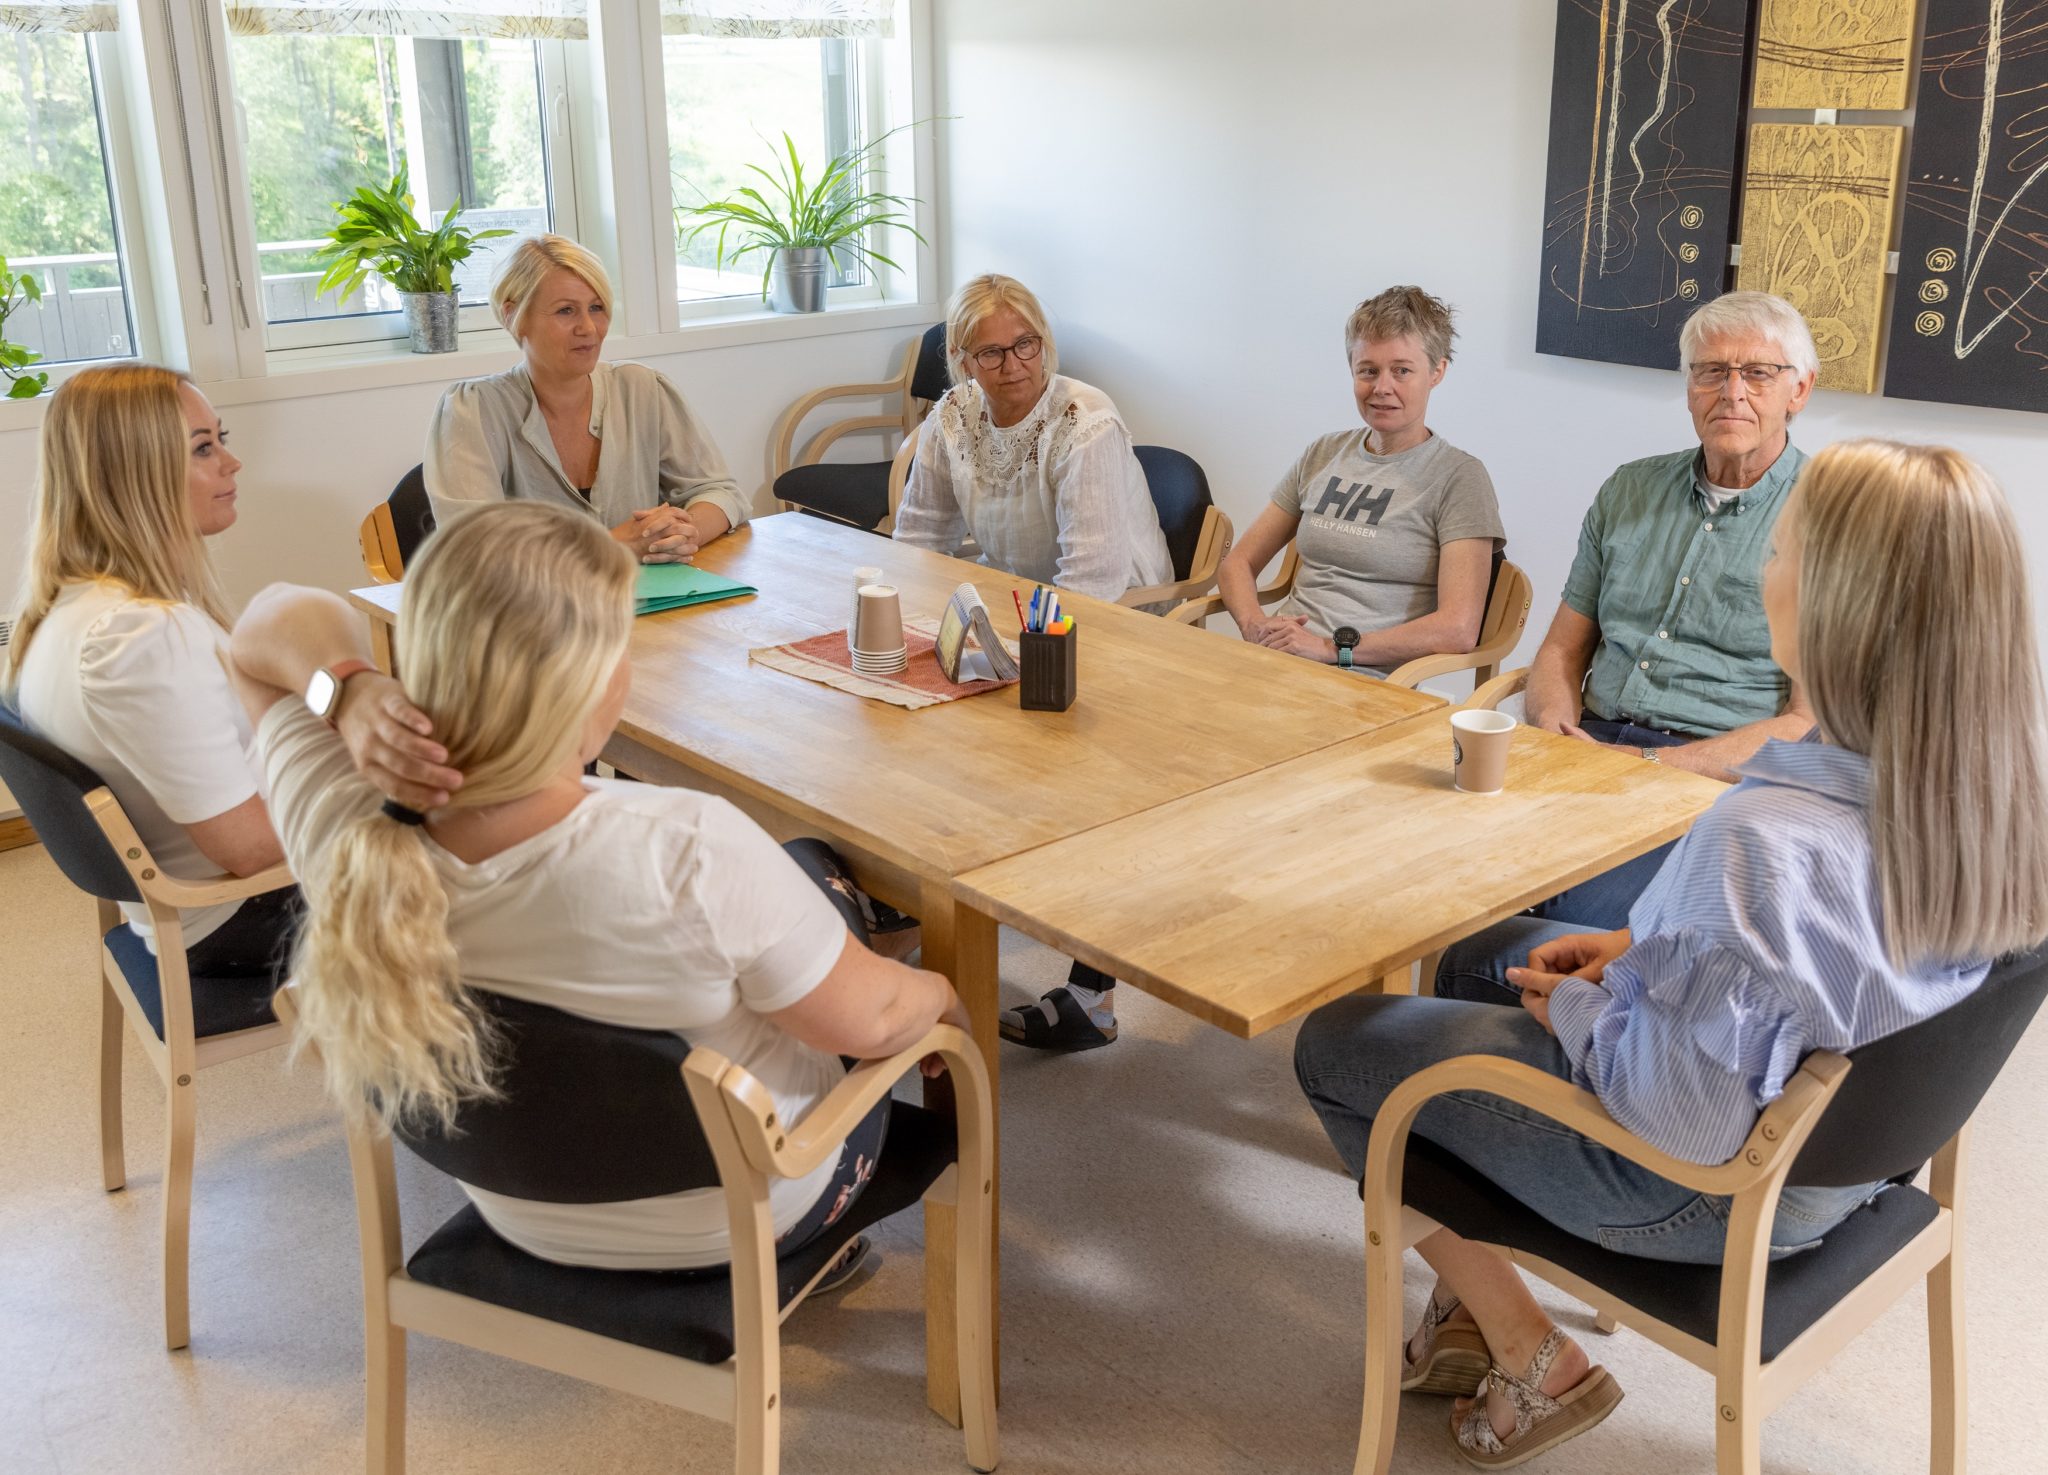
{"type": "Point", "coordinates": [513, 872]}
{"type": "Point", "coordinates": [119, 648]}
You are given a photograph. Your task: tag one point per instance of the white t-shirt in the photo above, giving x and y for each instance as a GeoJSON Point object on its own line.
{"type": "Point", "coordinates": [138, 691]}
{"type": "Point", "coordinates": [644, 906]}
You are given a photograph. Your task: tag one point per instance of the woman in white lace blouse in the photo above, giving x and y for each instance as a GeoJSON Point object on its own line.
{"type": "Point", "coordinates": [1035, 467]}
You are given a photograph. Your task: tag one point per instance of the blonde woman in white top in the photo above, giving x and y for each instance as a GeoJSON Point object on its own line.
{"type": "Point", "coordinates": [1035, 467]}
{"type": "Point", "coordinates": [615, 441]}
{"type": "Point", "coordinates": [632, 904]}
{"type": "Point", "coordinates": [119, 648]}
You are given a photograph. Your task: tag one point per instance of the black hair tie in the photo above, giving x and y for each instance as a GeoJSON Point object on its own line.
{"type": "Point", "coordinates": [394, 810]}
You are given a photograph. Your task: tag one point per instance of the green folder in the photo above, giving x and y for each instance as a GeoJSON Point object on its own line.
{"type": "Point", "coordinates": [674, 585]}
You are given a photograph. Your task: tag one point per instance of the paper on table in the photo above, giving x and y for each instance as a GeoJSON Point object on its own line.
{"type": "Point", "coordinates": [674, 585]}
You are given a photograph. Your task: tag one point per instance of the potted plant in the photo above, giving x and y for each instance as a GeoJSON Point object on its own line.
{"type": "Point", "coordinates": [377, 232]}
{"type": "Point", "coordinates": [17, 292]}
{"type": "Point", "coordinates": [804, 222]}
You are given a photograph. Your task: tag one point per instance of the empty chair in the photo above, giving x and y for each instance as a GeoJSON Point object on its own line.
{"type": "Point", "coordinates": [862, 493]}
{"type": "Point", "coordinates": [596, 1113]}
{"type": "Point", "coordinates": [183, 1024]}
{"type": "Point", "coordinates": [1197, 531]}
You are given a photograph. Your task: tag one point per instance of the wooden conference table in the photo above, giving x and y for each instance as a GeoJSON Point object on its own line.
{"type": "Point", "coordinates": [914, 800]}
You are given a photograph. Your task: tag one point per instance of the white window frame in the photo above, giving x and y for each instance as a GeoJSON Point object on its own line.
{"type": "Point", "coordinates": [557, 109]}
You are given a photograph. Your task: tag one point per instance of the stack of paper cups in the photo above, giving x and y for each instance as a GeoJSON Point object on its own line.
{"type": "Point", "coordinates": [861, 578]}
{"type": "Point", "coordinates": [878, 648]}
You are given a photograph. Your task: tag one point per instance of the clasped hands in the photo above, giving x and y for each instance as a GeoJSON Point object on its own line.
{"type": "Point", "coordinates": [1579, 955]}
{"type": "Point", "coordinates": [1288, 633]}
{"type": "Point", "coordinates": [661, 534]}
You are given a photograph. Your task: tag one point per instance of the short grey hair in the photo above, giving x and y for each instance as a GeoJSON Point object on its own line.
{"type": "Point", "coordinates": [1752, 312]}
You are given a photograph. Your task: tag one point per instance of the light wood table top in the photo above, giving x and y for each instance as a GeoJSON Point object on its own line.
{"type": "Point", "coordinates": [1162, 712]}
{"type": "Point", "coordinates": [1256, 900]}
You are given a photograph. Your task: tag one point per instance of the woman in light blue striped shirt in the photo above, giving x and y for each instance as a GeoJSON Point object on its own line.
{"type": "Point", "coordinates": [1849, 886]}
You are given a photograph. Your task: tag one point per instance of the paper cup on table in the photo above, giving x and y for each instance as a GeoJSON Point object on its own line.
{"type": "Point", "coordinates": [861, 578]}
{"type": "Point", "coordinates": [1479, 750]}
{"type": "Point", "coordinates": [878, 629]}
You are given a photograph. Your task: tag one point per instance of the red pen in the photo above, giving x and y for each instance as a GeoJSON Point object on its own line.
{"type": "Point", "coordinates": [1022, 623]}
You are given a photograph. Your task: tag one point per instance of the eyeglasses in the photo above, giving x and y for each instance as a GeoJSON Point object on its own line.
{"type": "Point", "coordinates": [1755, 376]}
{"type": "Point", "coordinates": [1026, 349]}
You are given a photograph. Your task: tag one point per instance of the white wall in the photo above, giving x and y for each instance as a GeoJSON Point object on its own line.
{"type": "Point", "coordinates": [1200, 190]}
{"type": "Point", "coordinates": [313, 466]}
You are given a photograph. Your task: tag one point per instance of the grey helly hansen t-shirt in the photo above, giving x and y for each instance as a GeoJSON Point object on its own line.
{"type": "Point", "coordinates": [1372, 527]}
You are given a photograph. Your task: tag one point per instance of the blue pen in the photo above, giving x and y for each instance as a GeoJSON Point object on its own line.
{"type": "Point", "coordinates": [1052, 613]}
{"type": "Point", "coordinates": [1032, 624]}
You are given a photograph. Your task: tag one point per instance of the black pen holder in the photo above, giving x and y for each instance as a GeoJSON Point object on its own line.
{"type": "Point", "coordinates": [1047, 668]}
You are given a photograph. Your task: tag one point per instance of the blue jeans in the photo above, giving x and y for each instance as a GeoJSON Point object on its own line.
{"type": "Point", "coordinates": [1351, 1055]}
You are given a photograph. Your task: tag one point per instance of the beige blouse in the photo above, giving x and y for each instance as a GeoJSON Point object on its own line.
{"type": "Point", "coordinates": [489, 441]}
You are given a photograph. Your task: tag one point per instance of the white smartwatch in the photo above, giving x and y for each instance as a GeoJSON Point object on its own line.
{"type": "Point", "coordinates": [323, 691]}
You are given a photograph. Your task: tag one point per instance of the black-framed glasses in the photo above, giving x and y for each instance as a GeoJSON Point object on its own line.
{"type": "Point", "coordinates": [1026, 349]}
{"type": "Point", "coordinates": [1756, 376]}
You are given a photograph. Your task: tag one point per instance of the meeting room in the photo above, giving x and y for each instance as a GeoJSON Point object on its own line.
{"type": "Point", "coordinates": [1162, 738]}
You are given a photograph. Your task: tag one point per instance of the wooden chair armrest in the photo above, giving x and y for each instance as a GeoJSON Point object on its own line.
{"type": "Point", "coordinates": [899, 478]}
{"type": "Point", "coordinates": [1422, 668]}
{"type": "Point", "coordinates": [172, 891]}
{"type": "Point", "coordinates": [815, 448]}
{"type": "Point", "coordinates": [1145, 594]}
{"type": "Point", "coordinates": [784, 435]}
{"type": "Point", "coordinates": [1197, 610]}
{"type": "Point", "coordinates": [772, 1148]}
{"type": "Point", "coordinates": [1491, 694]}
{"type": "Point", "coordinates": [1780, 1131]}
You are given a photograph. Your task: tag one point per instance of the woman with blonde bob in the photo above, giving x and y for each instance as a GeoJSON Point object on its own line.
{"type": "Point", "coordinates": [649, 907]}
{"type": "Point", "coordinates": [613, 441]}
{"type": "Point", "coordinates": [119, 646]}
{"type": "Point", "coordinates": [1035, 467]}
{"type": "Point", "coordinates": [1850, 885]}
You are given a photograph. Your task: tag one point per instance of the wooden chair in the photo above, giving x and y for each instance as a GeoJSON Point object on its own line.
{"type": "Point", "coordinates": [183, 1024]}
{"type": "Point", "coordinates": [1761, 1328]}
{"type": "Point", "coordinates": [1197, 532]}
{"type": "Point", "coordinates": [862, 494]}
{"type": "Point", "coordinates": [393, 530]}
{"type": "Point", "coordinates": [595, 1113]}
{"type": "Point", "coordinates": [1508, 597]}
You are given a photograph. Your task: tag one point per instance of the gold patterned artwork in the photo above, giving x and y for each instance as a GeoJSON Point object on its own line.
{"type": "Point", "coordinates": [1817, 209]}
{"type": "Point", "coordinates": [1834, 53]}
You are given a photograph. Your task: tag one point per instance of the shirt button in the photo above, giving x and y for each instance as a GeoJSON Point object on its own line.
{"type": "Point", "coordinates": [1686, 580]}
{"type": "Point", "coordinates": [1644, 664]}
{"type": "Point", "coordinates": [1710, 527]}
{"type": "Point", "coordinates": [1663, 634]}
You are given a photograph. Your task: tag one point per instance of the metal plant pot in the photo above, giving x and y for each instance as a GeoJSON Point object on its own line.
{"type": "Point", "coordinates": [796, 283]}
{"type": "Point", "coordinates": [430, 320]}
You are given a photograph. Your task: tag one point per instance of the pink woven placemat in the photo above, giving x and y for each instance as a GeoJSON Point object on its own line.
{"type": "Point", "coordinates": [825, 658]}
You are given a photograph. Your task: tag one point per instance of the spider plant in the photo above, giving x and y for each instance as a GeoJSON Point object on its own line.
{"type": "Point", "coordinates": [793, 209]}
{"type": "Point", "coordinates": [378, 232]}
{"type": "Point", "coordinates": [16, 292]}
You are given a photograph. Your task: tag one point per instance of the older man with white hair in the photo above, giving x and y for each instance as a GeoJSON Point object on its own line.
{"type": "Point", "coordinates": [1660, 646]}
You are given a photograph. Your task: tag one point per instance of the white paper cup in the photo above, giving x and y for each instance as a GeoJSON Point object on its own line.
{"type": "Point", "coordinates": [878, 623]}
{"type": "Point", "coordinates": [1479, 750]}
{"type": "Point", "coordinates": [861, 576]}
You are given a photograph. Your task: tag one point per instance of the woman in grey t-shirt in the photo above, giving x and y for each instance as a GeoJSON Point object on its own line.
{"type": "Point", "coordinates": [1395, 526]}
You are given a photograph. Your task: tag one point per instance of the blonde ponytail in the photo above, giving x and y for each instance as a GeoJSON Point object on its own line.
{"type": "Point", "coordinates": [515, 618]}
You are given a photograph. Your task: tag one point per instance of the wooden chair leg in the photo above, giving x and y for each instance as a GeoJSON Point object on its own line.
{"type": "Point", "coordinates": [384, 1400]}
{"type": "Point", "coordinates": [179, 1109]}
{"type": "Point", "coordinates": [113, 1027]}
{"type": "Point", "coordinates": [1382, 1350]}
{"type": "Point", "coordinates": [1949, 1419]}
{"type": "Point", "coordinates": [974, 1296]}
{"type": "Point", "coordinates": [942, 1367]}
{"type": "Point", "coordinates": [1738, 1436]}
{"type": "Point", "coordinates": [1425, 976]}
{"type": "Point", "coordinates": [757, 1424]}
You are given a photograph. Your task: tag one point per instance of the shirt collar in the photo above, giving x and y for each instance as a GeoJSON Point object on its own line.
{"type": "Point", "coordinates": [1815, 766]}
{"type": "Point", "coordinates": [1767, 490]}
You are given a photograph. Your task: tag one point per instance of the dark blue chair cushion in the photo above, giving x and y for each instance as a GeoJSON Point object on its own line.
{"type": "Point", "coordinates": [50, 786]}
{"type": "Point", "coordinates": [855, 492]}
{"type": "Point", "coordinates": [1798, 1292]}
{"type": "Point", "coordinates": [931, 378]}
{"type": "Point", "coordinates": [220, 1006]}
{"type": "Point", "coordinates": [1180, 495]}
{"type": "Point", "coordinates": [684, 1313]}
{"type": "Point", "coordinates": [412, 514]}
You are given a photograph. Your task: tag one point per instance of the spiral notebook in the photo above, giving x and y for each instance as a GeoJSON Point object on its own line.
{"type": "Point", "coordinates": [676, 585]}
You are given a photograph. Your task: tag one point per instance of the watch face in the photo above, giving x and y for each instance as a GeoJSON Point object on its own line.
{"type": "Point", "coordinates": [321, 692]}
{"type": "Point", "coordinates": [1344, 637]}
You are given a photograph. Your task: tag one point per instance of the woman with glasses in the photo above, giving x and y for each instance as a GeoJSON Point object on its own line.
{"type": "Point", "coordinates": [1396, 528]}
{"type": "Point", "coordinates": [1035, 467]}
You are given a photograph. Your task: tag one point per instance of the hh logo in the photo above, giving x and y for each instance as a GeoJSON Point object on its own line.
{"type": "Point", "coordinates": [1348, 502]}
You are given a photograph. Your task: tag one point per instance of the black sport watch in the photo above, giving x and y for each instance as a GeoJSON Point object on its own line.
{"type": "Point", "coordinates": [1346, 640]}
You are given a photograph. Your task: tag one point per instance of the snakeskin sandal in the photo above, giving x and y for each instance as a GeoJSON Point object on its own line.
{"type": "Point", "coordinates": [1454, 1358]}
{"type": "Point", "coordinates": [1541, 1422]}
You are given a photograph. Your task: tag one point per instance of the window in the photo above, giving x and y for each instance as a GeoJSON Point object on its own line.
{"type": "Point", "coordinates": [464, 115]}
{"type": "Point", "coordinates": [57, 205]}
{"type": "Point", "coordinates": [739, 74]}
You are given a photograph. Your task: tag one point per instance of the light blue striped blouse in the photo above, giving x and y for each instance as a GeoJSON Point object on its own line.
{"type": "Point", "coordinates": [1759, 940]}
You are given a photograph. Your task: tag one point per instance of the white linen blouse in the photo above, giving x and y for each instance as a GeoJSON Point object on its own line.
{"type": "Point", "coordinates": [1058, 498]}
{"type": "Point", "coordinates": [489, 441]}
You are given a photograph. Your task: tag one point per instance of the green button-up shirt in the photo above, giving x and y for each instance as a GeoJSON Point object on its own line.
{"type": "Point", "coordinates": [1677, 592]}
